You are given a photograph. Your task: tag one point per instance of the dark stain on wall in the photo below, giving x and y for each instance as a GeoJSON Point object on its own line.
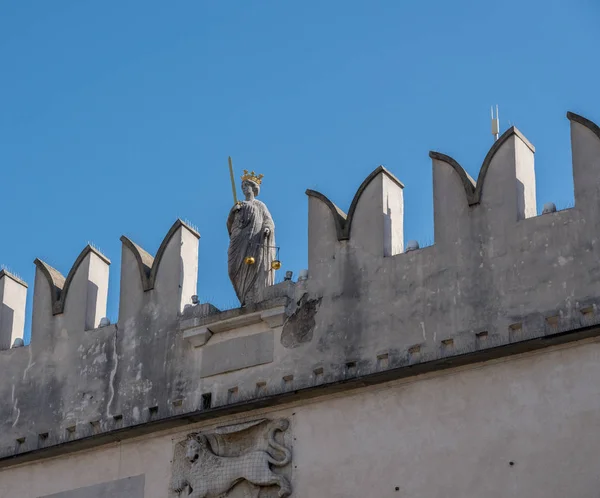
{"type": "Point", "coordinates": [299, 327]}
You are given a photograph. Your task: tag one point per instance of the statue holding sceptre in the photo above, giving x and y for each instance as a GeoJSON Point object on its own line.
{"type": "Point", "coordinates": [252, 252]}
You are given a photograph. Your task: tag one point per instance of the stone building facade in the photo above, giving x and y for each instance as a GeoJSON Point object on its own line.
{"type": "Point", "coordinates": [468, 368]}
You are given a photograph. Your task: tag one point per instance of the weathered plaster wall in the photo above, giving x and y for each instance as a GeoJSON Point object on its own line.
{"type": "Point", "coordinates": [497, 275]}
{"type": "Point", "coordinates": [494, 263]}
{"type": "Point", "coordinates": [443, 434]}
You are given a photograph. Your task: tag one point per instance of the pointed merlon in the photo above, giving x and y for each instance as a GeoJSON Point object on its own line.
{"type": "Point", "coordinates": [590, 125]}
{"type": "Point", "coordinates": [148, 266]}
{"type": "Point", "coordinates": [343, 222]}
{"type": "Point", "coordinates": [585, 149]}
{"type": "Point", "coordinates": [473, 190]}
{"type": "Point", "coordinates": [169, 280]}
{"type": "Point", "coordinates": [59, 286]}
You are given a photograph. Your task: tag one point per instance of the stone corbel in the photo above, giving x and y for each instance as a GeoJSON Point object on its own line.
{"type": "Point", "coordinates": [198, 334]}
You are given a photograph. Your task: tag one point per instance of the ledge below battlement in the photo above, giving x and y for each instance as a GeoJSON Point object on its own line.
{"type": "Point", "coordinates": [199, 330]}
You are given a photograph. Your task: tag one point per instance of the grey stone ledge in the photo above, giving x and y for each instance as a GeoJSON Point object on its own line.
{"type": "Point", "coordinates": [199, 330]}
{"type": "Point", "coordinates": [198, 311]}
{"type": "Point", "coordinates": [222, 316]}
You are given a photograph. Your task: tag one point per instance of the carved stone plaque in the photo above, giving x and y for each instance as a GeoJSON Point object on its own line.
{"type": "Point", "coordinates": [249, 460]}
{"type": "Point", "coordinates": [237, 353]}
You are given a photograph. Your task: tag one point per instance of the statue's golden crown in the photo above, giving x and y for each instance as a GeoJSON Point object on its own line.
{"type": "Point", "coordinates": [252, 176]}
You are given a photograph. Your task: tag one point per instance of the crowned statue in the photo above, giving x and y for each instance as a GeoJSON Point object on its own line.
{"type": "Point", "coordinates": [252, 253]}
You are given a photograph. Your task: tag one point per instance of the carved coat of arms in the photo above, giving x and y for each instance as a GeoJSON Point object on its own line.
{"type": "Point", "coordinates": [249, 460]}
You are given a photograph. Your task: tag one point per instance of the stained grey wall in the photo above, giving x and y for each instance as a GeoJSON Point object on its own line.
{"type": "Point", "coordinates": [496, 275]}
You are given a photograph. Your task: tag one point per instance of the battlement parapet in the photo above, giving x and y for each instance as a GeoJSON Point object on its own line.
{"type": "Point", "coordinates": [499, 279]}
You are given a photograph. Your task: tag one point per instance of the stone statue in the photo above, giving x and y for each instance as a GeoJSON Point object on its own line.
{"type": "Point", "coordinates": [199, 471]}
{"type": "Point", "coordinates": [251, 242]}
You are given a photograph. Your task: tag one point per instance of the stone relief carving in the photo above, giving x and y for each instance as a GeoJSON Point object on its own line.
{"type": "Point", "coordinates": [239, 461]}
{"type": "Point", "coordinates": [251, 254]}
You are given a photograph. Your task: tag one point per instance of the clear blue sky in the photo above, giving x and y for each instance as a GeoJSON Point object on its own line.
{"type": "Point", "coordinates": [118, 117]}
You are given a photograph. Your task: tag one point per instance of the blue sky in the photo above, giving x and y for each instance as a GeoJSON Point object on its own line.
{"type": "Point", "coordinates": [118, 117]}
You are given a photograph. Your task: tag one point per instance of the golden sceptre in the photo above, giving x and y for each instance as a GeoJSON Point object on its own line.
{"type": "Point", "coordinates": [235, 200]}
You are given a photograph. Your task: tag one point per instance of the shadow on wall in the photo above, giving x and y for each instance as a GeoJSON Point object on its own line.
{"type": "Point", "coordinates": [521, 199]}
{"type": "Point", "coordinates": [91, 303]}
{"type": "Point", "coordinates": [7, 315]}
{"type": "Point", "coordinates": [387, 228]}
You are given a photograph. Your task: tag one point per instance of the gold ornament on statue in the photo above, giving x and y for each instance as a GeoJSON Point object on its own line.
{"type": "Point", "coordinates": [252, 176]}
{"type": "Point", "coordinates": [276, 264]}
{"type": "Point", "coordinates": [249, 260]}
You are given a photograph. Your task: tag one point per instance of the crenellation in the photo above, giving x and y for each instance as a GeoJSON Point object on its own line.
{"type": "Point", "coordinates": [498, 280]}
{"type": "Point", "coordinates": [453, 190]}
{"type": "Point", "coordinates": [323, 233]}
{"type": "Point", "coordinates": [379, 199]}
{"type": "Point", "coordinates": [79, 300]}
{"type": "Point", "coordinates": [504, 191]}
{"type": "Point", "coordinates": [174, 286]}
{"type": "Point", "coordinates": [506, 184]}
{"type": "Point", "coordinates": [585, 149]}
{"type": "Point", "coordinates": [376, 216]}
{"type": "Point", "coordinates": [59, 285]}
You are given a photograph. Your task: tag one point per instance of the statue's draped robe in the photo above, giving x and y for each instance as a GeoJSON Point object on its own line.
{"type": "Point", "coordinates": [247, 238]}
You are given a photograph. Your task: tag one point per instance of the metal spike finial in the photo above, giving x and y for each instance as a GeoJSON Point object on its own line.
{"type": "Point", "coordinates": [495, 123]}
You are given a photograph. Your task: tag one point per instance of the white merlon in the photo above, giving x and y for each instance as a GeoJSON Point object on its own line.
{"type": "Point", "coordinates": [13, 295]}
{"type": "Point", "coordinates": [503, 194]}
{"type": "Point", "coordinates": [76, 302]}
{"type": "Point", "coordinates": [585, 146]}
{"type": "Point", "coordinates": [377, 216]}
{"type": "Point", "coordinates": [171, 276]}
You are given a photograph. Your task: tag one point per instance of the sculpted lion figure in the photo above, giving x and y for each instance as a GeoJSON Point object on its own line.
{"type": "Point", "coordinates": [212, 476]}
